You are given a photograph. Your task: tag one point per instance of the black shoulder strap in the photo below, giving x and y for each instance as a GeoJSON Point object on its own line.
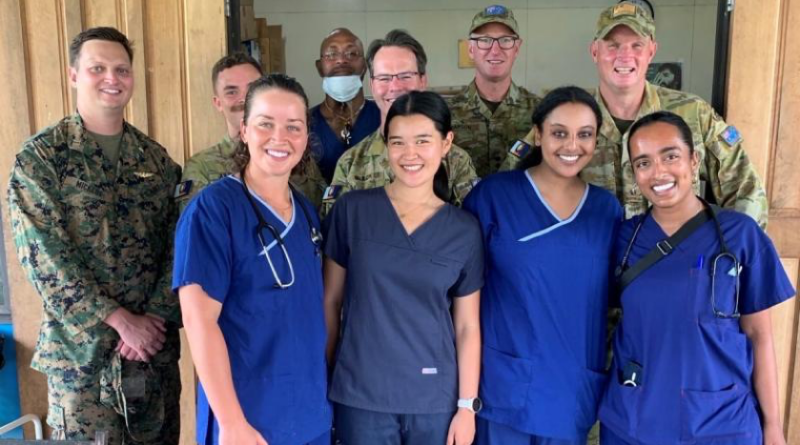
{"type": "Point", "coordinates": [663, 248]}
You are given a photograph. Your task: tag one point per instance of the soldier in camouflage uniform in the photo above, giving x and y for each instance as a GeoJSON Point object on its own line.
{"type": "Point", "coordinates": [92, 213]}
{"type": "Point", "coordinates": [623, 47]}
{"type": "Point", "coordinates": [397, 66]}
{"type": "Point", "coordinates": [230, 77]}
{"type": "Point", "coordinates": [492, 112]}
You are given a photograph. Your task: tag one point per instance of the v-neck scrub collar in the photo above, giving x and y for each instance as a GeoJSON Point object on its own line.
{"type": "Point", "coordinates": [561, 222]}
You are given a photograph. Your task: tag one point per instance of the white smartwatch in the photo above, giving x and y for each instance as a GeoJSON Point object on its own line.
{"type": "Point", "coordinates": [474, 404]}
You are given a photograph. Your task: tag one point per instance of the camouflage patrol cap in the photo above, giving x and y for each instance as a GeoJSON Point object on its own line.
{"type": "Point", "coordinates": [494, 14]}
{"type": "Point", "coordinates": [629, 14]}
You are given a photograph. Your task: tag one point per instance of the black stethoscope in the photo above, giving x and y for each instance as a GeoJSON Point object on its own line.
{"type": "Point", "coordinates": [315, 235]}
{"type": "Point", "coordinates": [724, 253]}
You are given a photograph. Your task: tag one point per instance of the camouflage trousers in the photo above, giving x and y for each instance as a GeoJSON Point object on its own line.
{"type": "Point", "coordinates": [76, 413]}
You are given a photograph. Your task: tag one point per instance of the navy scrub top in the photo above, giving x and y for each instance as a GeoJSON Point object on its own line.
{"type": "Point", "coordinates": [544, 306]}
{"type": "Point", "coordinates": [397, 349]}
{"type": "Point", "coordinates": [696, 368]}
{"type": "Point", "coordinates": [275, 337]}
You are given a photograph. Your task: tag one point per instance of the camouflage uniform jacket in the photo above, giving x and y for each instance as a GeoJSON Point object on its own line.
{"type": "Point", "coordinates": [366, 165]}
{"type": "Point", "coordinates": [724, 164]}
{"type": "Point", "coordinates": [94, 237]}
{"type": "Point", "coordinates": [486, 136]}
{"type": "Point", "coordinates": [214, 162]}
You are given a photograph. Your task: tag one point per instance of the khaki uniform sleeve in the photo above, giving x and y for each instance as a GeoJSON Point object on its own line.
{"type": "Point", "coordinates": [53, 264]}
{"type": "Point", "coordinates": [340, 182]}
{"type": "Point", "coordinates": [732, 177]}
{"type": "Point", "coordinates": [310, 182]}
{"type": "Point", "coordinates": [164, 302]}
{"type": "Point", "coordinates": [193, 171]}
{"type": "Point", "coordinates": [461, 174]}
{"type": "Point", "coordinates": [511, 161]}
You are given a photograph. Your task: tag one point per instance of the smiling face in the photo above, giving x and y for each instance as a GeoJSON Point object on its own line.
{"type": "Point", "coordinates": [416, 149]}
{"type": "Point", "coordinates": [663, 165]}
{"type": "Point", "coordinates": [622, 58]}
{"type": "Point", "coordinates": [493, 64]}
{"type": "Point", "coordinates": [230, 90]}
{"type": "Point", "coordinates": [568, 139]}
{"type": "Point", "coordinates": [276, 132]}
{"type": "Point", "coordinates": [391, 61]}
{"type": "Point", "coordinates": [102, 77]}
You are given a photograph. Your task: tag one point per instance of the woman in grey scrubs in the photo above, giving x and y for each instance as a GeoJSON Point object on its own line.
{"type": "Point", "coordinates": [403, 274]}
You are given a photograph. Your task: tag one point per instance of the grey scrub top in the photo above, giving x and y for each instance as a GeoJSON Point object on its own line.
{"type": "Point", "coordinates": [397, 349]}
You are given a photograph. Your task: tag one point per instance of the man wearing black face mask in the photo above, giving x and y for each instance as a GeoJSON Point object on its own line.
{"type": "Point", "coordinates": [344, 117]}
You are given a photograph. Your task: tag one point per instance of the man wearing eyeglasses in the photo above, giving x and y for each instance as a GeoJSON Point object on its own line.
{"type": "Point", "coordinates": [492, 112]}
{"type": "Point", "coordinates": [344, 117]}
{"type": "Point", "coordinates": [397, 66]}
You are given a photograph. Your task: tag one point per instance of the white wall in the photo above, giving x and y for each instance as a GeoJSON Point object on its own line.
{"type": "Point", "coordinates": [556, 36]}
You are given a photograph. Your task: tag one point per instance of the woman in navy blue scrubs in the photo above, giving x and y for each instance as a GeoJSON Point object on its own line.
{"type": "Point", "coordinates": [248, 270]}
{"type": "Point", "coordinates": [693, 357]}
{"type": "Point", "coordinates": [403, 271]}
{"type": "Point", "coordinates": [548, 238]}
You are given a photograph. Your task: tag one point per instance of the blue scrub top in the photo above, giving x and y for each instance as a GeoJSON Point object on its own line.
{"type": "Point", "coordinates": [697, 368]}
{"type": "Point", "coordinates": [275, 337]}
{"type": "Point", "coordinates": [543, 309]}
{"type": "Point", "coordinates": [328, 148]}
{"type": "Point", "coordinates": [397, 349]}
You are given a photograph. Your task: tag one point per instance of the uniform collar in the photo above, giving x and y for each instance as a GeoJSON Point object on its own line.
{"type": "Point", "coordinates": [81, 140]}
{"type": "Point", "coordinates": [227, 145]}
{"type": "Point", "coordinates": [375, 144]}
{"type": "Point", "coordinates": [474, 98]}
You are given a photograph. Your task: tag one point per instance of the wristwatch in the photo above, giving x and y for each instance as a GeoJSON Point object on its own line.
{"type": "Point", "coordinates": [474, 404]}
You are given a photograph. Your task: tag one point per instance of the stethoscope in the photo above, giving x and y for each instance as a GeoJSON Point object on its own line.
{"type": "Point", "coordinates": [316, 236]}
{"type": "Point", "coordinates": [724, 253]}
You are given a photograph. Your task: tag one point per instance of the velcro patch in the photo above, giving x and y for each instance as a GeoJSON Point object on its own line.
{"type": "Point", "coordinates": [495, 10]}
{"type": "Point", "coordinates": [520, 149]}
{"type": "Point", "coordinates": [624, 9]}
{"type": "Point", "coordinates": [183, 189]}
{"type": "Point", "coordinates": [731, 135]}
{"type": "Point", "coordinates": [332, 192]}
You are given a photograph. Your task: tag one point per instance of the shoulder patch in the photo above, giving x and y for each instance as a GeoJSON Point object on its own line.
{"type": "Point", "coordinates": [182, 189]}
{"type": "Point", "coordinates": [331, 192]}
{"type": "Point", "coordinates": [520, 149]}
{"type": "Point", "coordinates": [731, 135]}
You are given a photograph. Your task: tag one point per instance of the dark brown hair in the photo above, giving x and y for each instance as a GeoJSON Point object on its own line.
{"type": "Point", "coordinates": [101, 33]}
{"type": "Point", "coordinates": [230, 61]}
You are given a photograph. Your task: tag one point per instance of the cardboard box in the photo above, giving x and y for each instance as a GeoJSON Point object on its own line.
{"type": "Point", "coordinates": [277, 59]}
{"type": "Point", "coordinates": [263, 32]}
{"type": "Point", "coordinates": [247, 21]}
{"type": "Point", "coordinates": [463, 55]}
{"type": "Point", "coordinates": [263, 44]}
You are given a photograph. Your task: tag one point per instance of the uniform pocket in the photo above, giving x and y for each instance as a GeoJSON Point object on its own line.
{"type": "Point", "coordinates": [620, 407]}
{"type": "Point", "coordinates": [593, 384]}
{"type": "Point", "coordinates": [505, 379]}
{"type": "Point", "coordinates": [708, 415]}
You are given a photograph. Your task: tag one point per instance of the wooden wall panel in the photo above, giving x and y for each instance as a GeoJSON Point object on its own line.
{"type": "Point", "coordinates": [752, 81]}
{"type": "Point", "coordinates": [132, 24]}
{"type": "Point", "coordinates": [101, 13]}
{"type": "Point", "coordinates": [164, 51]}
{"type": "Point", "coordinates": [17, 119]}
{"type": "Point", "coordinates": [44, 62]}
{"type": "Point", "coordinates": [205, 44]}
{"type": "Point", "coordinates": [785, 320]}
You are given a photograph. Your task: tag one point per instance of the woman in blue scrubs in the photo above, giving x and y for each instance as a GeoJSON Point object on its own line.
{"type": "Point", "coordinates": [693, 357]}
{"type": "Point", "coordinates": [548, 240]}
{"type": "Point", "coordinates": [248, 271]}
{"type": "Point", "coordinates": [403, 271]}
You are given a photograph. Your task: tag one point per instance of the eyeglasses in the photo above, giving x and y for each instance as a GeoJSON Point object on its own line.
{"type": "Point", "coordinates": [401, 77]}
{"type": "Point", "coordinates": [330, 56]}
{"type": "Point", "coordinates": [485, 42]}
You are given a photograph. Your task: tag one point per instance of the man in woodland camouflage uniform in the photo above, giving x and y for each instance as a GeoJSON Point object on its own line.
{"type": "Point", "coordinates": [92, 212]}
{"type": "Point", "coordinates": [492, 112]}
{"type": "Point", "coordinates": [230, 77]}
{"type": "Point", "coordinates": [622, 49]}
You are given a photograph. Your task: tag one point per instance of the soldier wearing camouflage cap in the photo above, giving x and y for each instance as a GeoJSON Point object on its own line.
{"type": "Point", "coordinates": [397, 65]}
{"type": "Point", "coordinates": [492, 112]}
{"type": "Point", "coordinates": [230, 77]}
{"type": "Point", "coordinates": [93, 214]}
{"type": "Point", "coordinates": [623, 47]}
